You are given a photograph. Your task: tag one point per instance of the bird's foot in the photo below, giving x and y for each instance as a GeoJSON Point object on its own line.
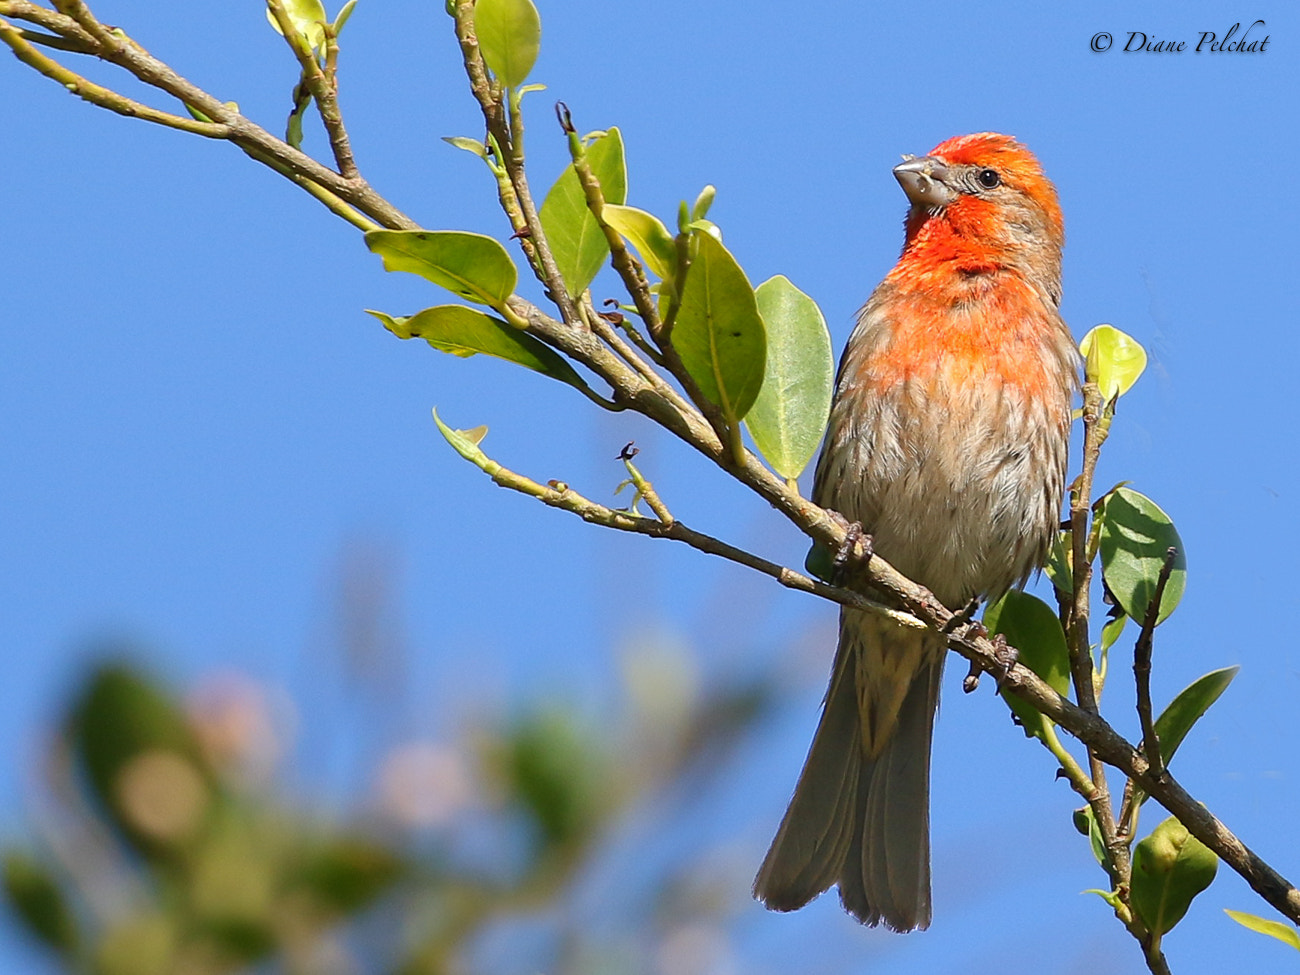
{"type": "Point", "coordinates": [855, 550]}
{"type": "Point", "coordinates": [1007, 657]}
{"type": "Point", "coordinates": [966, 617]}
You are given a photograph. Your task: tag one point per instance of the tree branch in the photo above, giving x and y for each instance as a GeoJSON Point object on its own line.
{"type": "Point", "coordinates": [966, 638]}
{"type": "Point", "coordinates": [223, 120]}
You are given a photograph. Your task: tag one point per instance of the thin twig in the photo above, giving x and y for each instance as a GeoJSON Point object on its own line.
{"type": "Point", "coordinates": [78, 24]}
{"type": "Point", "coordinates": [505, 126]}
{"type": "Point", "coordinates": [634, 281]}
{"type": "Point", "coordinates": [558, 494]}
{"type": "Point", "coordinates": [603, 330]}
{"type": "Point", "coordinates": [51, 20]}
{"type": "Point", "coordinates": [78, 11]}
{"type": "Point", "coordinates": [56, 42]}
{"type": "Point", "coordinates": [322, 88]}
{"type": "Point", "coordinates": [1118, 864]}
{"type": "Point", "coordinates": [1150, 744]}
{"type": "Point", "coordinates": [99, 95]}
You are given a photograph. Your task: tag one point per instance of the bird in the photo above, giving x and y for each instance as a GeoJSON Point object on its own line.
{"type": "Point", "coordinates": [947, 444]}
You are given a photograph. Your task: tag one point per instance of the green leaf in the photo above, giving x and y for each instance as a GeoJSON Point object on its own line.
{"type": "Point", "coordinates": [1114, 360]}
{"type": "Point", "coordinates": [1170, 867]}
{"type": "Point", "coordinates": [308, 18]}
{"type": "Point", "coordinates": [1109, 896]}
{"type": "Point", "coordinates": [1135, 535]}
{"type": "Point", "coordinates": [142, 942]}
{"type": "Point", "coordinates": [466, 443]}
{"type": "Point", "coordinates": [119, 717]}
{"type": "Point", "coordinates": [703, 226]}
{"type": "Point", "coordinates": [466, 143]}
{"type": "Point", "coordinates": [719, 333]}
{"type": "Point", "coordinates": [34, 897]}
{"type": "Point", "coordinates": [1031, 626]}
{"type": "Point", "coordinates": [1185, 710]}
{"type": "Point", "coordinates": [819, 563]}
{"type": "Point", "coordinates": [473, 266]}
{"type": "Point", "coordinates": [293, 130]}
{"type": "Point", "coordinates": [465, 332]}
{"type": "Point", "coordinates": [1086, 823]}
{"type": "Point", "coordinates": [554, 770]}
{"type": "Point", "coordinates": [509, 35]}
{"type": "Point", "coordinates": [1058, 564]}
{"type": "Point", "coordinates": [576, 240]}
{"type": "Point", "coordinates": [1274, 929]}
{"type": "Point", "coordinates": [343, 16]}
{"type": "Point", "coordinates": [1111, 630]}
{"type": "Point", "coordinates": [345, 875]}
{"type": "Point", "coordinates": [702, 202]}
{"type": "Point", "coordinates": [648, 235]}
{"type": "Point", "coordinates": [790, 413]}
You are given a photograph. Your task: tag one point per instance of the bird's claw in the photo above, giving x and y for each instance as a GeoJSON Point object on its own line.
{"type": "Point", "coordinates": [966, 617]}
{"type": "Point", "coordinates": [857, 547]}
{"type": "Point", "coordinates": [1007, 657]}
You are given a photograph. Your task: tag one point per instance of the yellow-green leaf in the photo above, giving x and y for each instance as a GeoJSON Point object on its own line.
{"type": "Point", "coordinates": [789, 416]}
{"type": "Point", "coordinates": [308, 18]}
{"type": "Point", "coordinates": [466, 143]}
{"type": "Point", "coordinates": [1274, 929]}
{"type": "Point", "coordinates": [1114, 360]}
{"type": "Point", "coordinates": [576, 240]}
{"type": "Point", "coordinates": [700, 209]}
{"type": "Point", "coordinates": [509, 35]}
{"type": "Point", "coordinates": [472, 266]}
{"type": "Point", "coordinates": [647, 235]}
{"type": "Point", "coordinates": [719, 333]}
{"type": "Point", "coordinates": [465, 442]}
{"type": "Point", "coordinates": [343, 16]}
{"type": "Point", "coordinates": [465, 332]}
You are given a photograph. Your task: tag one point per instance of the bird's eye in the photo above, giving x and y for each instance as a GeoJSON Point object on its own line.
{"type": "Point", "coordinates": [989, 178]}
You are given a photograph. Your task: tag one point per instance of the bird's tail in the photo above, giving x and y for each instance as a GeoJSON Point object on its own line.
{"type": "Point", "coordinates": [860, 816]}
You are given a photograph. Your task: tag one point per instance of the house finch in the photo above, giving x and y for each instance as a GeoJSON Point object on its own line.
{"type": "Point", "coordinates": [947, 444]}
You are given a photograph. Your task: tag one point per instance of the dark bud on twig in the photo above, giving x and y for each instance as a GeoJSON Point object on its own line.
{"type": "Point", "coordinates": [613, 317]}
{"type": "Point", "coordinates": [521, 233]}
{"type": "Point", "coordinates": [629, 450]}
{"type": "Point", "coordinates": [564, 118]}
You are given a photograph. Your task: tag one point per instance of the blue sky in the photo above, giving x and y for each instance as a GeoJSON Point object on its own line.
{"type": "Point", "coordinates": [196, 414]}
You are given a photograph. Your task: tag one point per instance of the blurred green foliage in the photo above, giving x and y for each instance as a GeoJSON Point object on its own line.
{"type": "Point", "coordinates": [167, 847]}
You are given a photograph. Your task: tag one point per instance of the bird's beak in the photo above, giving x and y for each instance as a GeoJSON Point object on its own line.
{"type": "Point", "coordinates": [924, 180]}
